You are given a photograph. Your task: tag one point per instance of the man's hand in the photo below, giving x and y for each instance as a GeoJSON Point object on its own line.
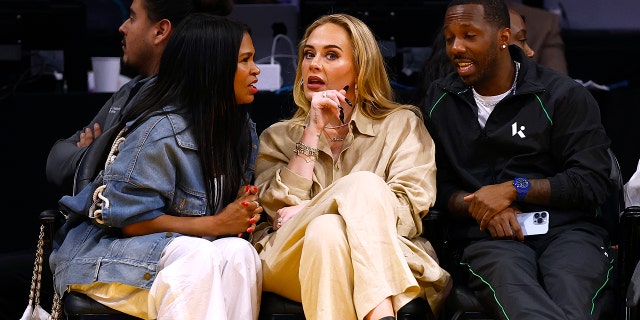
{"type": "Point", "coordinates": [87, 137]}
{"type": "Point", "coordinates": [504, 225]}
{"type": "Point", "coordinates": [490, 200]}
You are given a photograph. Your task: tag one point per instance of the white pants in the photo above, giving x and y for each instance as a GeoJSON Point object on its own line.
{"type": "Point", "coordinates": [198, 279]}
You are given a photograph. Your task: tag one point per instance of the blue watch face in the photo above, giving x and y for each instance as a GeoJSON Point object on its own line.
{"type": "Point", "coordinates": [522, 188]}
{"type": "Point", "coordinates": [521, 183]}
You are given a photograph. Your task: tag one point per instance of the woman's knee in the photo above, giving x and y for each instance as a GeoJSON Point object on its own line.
{"type": "Point", "coordinates": [186, 248]}
{"type": "Point", "coordinates": [363, 180]}
{"type": "Point", "coordinates": [237, 250]}
{"type": "Point", "coordinates": [324, 231]}
{"type": "Point", "coordinates": [363, 186]}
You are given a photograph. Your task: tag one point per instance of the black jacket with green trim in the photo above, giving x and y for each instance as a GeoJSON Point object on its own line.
{"type": "Point", "coordinates": [548, 127]}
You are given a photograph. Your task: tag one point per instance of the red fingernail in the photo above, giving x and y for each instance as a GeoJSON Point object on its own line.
{"type": "Point", "coordinates": [255, 189]}
{"type": "Point", "coordinates": [252, 221]}
{"type": "Point", "coordinates": [249, 230]}
{"type": "Point", "coordinates": [246, 189]}
{"type": "Point", "coordinates": [244, 204]}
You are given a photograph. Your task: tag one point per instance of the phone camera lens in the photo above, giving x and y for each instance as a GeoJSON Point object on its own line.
{"type": "Point", "coordinates": [536, 215]}
{"type": "Point", "coordinates": [539, 220]}
{"type": "Point", "coordinates": [544, 214]}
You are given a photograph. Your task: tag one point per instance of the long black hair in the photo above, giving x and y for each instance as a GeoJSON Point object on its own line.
{"type": "Point", "coordinates": [196, 75]}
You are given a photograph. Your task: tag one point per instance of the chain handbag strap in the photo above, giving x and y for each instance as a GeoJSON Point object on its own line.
{"type": "Point", "coordinates": [56, 308]}
{"type": "Point", "coordinates": [34, 294]}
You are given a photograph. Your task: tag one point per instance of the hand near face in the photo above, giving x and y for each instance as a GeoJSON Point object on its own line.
{"type": "Point", "coordinates": [326, 107]}
{"type": "Point", "coordinates": [327, 70]}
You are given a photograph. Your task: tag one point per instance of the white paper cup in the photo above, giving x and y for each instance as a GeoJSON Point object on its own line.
{"type": "Point", "coordinates": [106, 73]}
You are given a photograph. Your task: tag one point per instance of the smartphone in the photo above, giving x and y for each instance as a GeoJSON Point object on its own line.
{"type": "Point", "coordinates": [533, 223]}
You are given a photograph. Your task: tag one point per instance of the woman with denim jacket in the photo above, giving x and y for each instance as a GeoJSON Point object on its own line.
{"type": "Point", "coordinates": [148, 236]}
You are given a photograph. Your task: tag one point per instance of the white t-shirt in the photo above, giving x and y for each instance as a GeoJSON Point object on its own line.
{"type": "Point", "coordinates": [486, 104]}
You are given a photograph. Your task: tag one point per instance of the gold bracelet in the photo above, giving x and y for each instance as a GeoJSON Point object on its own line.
{"type": "Point", "coordinates": [303, 149]}
{"type": "Point", "coordinates": [307, 159]}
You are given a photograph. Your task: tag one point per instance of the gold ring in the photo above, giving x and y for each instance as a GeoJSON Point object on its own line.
{"type": "Point", "coordinates": [256, 202]}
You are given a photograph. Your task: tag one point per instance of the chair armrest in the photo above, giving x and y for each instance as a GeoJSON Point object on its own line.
{"type": "Point", "coordinates": [432, 224]}
{"type": "Point", "coordinates": [629, 247]}
{"type": "Point", "coordinates": [435, 228]}
{"type": "Point", "coordinates": [52, 220]}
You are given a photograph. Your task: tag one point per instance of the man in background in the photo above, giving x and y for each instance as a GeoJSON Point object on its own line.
{"type": "Point", "coordinates": [145, 34]}
{"type": "Point", "coordinates": [543, 35]}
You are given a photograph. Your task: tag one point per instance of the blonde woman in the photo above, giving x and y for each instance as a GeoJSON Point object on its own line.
{"type": "Point", "coordinates": [345, 183]}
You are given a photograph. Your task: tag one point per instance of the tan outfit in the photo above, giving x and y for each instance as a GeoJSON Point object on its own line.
{"type": "Point", "coordinates": [338, 254]}
{"type": "Point", "coordinates": [543, 36]}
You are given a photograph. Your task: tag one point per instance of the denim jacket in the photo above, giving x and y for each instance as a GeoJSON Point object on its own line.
{"type": "Point", "coordinates": [156, 171]}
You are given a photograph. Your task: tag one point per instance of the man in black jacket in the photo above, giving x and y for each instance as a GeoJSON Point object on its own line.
{"type": "Point", "coordinates": [515, 137]}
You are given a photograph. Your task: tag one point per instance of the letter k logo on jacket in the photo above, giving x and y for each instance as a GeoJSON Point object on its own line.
{"type": "Point", "coordinates": [514, 130]}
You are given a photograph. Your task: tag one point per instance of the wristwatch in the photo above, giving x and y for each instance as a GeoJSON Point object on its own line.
{"type": "Point", "coordinates": [522, 187]}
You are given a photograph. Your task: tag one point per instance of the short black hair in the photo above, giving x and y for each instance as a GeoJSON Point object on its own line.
{"type": "Point", "coordinates": [495, 11]}
{"type": "Point", "coordinates": [176, 10]}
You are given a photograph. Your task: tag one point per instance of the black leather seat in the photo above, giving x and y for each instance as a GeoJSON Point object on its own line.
{"type": "Point", "coordinates": [628, 256]}
{"type": "Point", "coordinates": [80, 307]}
{"type": "Point", "coordinates": [275, 307]}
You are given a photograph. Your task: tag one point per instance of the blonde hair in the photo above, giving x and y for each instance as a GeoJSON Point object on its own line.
{"type": "Point", "coordinates": [374, 95]}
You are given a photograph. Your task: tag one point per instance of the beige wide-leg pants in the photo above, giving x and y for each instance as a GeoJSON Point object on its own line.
{"type": "Point", "coordinates": [341, 255]}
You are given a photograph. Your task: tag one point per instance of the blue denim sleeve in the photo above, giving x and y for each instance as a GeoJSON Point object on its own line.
{"type": "Point", "coordinates": [154, 174]}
